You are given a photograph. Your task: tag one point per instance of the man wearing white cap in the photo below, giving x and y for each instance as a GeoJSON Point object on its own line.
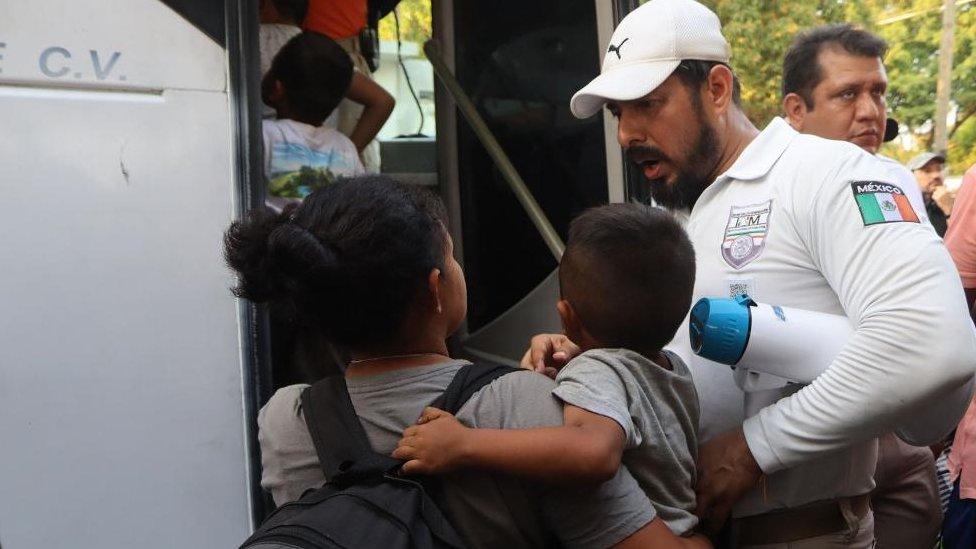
{"type": "Point", "coordinates": [798, 221]}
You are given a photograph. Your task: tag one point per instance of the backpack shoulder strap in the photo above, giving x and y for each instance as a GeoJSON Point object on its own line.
{"type": "Point", "coordinates": [470, 379]}
{"type": "Point", "coordinates": [467, 381]}
{"type": "Point", "coordinates": [340, 441]}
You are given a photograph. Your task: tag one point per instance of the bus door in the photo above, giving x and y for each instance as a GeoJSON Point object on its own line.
{"type": "Point", "coordinates": [520, 67]}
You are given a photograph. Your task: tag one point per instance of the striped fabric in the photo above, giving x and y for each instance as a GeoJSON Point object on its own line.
{"type": "Point", "coordinates": [942, 475]}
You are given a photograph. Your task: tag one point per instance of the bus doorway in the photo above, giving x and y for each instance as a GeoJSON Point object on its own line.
{"type": "Point", "coordinates": [519, 69]}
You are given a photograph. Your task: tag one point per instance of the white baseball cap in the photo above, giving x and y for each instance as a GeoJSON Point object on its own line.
{"type": "Point", "coordinates": [647, 46]}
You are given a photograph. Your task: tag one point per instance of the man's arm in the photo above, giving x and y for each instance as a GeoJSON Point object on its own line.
{"type": "Point", "coordinates": [587, 448]}
{"type": "Point", "coordinates": [960, 239]}
{"type": "Point", "coordinates": [377, 106]}
{"type": "Point", "coordinates": [912, 348]}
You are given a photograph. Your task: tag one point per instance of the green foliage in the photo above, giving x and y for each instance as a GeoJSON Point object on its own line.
{"type": "Point", "coordinates": [760, 31]}
{"type": "Point", "coordinates": [913, 65]}
{"type": "Point", "coordinates": [415, 23]}
{"type": "Point", "coordinates": [962, 146]}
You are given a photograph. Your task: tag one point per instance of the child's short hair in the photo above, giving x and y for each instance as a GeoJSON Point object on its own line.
{"type": "Point", "coordinates": [315, 73]}
{"type": "Point", "coordinates": [628, 271]}
{"type": "Point", "coordinates": [296, 10]}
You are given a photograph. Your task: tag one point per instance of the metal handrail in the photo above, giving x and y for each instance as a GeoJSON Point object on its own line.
{"type": "Point", "coordinates": [495, 151]}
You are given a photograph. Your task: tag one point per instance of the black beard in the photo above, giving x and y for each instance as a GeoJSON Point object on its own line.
{"type": "Point", "coordinates": [692, 180]}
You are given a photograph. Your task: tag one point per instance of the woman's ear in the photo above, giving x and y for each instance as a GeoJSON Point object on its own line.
{"type": "Point", "coordinates": [434, 287]}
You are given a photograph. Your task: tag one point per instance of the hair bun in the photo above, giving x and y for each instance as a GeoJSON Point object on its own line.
{"type": "Point", "coordinates": [275, 257]}
{"type": "Point", "coordinates": [349, 262]}
{"type": "Point", "coordinates": [300, 257]}
{"type": "Point", "coordinates": [246, 252]}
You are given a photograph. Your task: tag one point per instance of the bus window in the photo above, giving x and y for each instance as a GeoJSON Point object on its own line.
{"type": "Point", "coordinates": [520, 68]}
{"type": "Point", "coordinates": [407, 141]}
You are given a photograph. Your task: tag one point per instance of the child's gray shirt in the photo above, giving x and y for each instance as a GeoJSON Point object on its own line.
{"type": "Point", "coordinates": [658, 411]}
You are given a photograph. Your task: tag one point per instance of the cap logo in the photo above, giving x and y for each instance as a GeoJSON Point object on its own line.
{"type": "Point", "coordinates": [616, 49]}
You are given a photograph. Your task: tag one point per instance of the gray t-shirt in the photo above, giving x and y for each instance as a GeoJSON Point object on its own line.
{"type": "Point", "coordinates": [658, 411]}
{"type": "Point", "coordinates": [487, 510]}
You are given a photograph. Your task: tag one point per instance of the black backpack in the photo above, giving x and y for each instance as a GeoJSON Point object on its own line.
{"type": "Point", "coordinates": [365, 503]}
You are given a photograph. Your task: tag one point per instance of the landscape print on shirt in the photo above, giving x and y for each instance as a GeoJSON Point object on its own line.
{"type": "Point", "coordinates": [297, 170]}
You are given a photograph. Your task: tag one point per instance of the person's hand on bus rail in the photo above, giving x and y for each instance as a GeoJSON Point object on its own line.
{"type": "Point", "coordinates": [434, 446]}
{"type": "Point", "coordinates": [548, 353]}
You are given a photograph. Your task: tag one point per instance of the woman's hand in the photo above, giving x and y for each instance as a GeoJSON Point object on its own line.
{"type": "Point", "coordinates": [435, 445]}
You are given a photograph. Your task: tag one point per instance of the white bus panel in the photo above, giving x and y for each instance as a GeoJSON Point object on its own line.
{"type": "Point", "coordinates": [121, 408]}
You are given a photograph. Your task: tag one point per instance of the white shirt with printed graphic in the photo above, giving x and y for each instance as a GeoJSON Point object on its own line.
{"type": "Point", "coordinates": [290, 145]}
{"type": "Point", "coordinates": [783, 224]}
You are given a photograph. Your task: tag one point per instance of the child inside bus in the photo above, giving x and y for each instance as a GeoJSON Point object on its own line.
{"type": "Point", "coordinates": [280, 22]}
{"type": "Point", "coordinates": [305, 83]}
{"type": "Point", "coordinates": [626, 281]}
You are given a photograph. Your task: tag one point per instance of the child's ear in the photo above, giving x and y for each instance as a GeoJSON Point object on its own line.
{"type": "Point", "coordinates": [570, 321]}
{"type": "Point", "coordinates": [272, 91]}
{"type": "Point", "coordinates": [434, 287]}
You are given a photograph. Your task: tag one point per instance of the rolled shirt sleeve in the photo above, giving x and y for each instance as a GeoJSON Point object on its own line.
{"type": "Point", "coordinates": [597, 387]}
{"type": "Point", "coordinates": [913, 349]}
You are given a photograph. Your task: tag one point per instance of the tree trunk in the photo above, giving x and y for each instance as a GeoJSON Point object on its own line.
{"type": "Point", "coordinates": [944, 83]}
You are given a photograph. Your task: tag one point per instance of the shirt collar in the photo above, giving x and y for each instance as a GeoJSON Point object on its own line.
{"type": "Point", "coordinates": [759, 156]}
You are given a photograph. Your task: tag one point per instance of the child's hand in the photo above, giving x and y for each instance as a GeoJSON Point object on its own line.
{"type": "Point", "coordinates": [548, 353]}
{"type": "Point", "coordinates": [435, 445]}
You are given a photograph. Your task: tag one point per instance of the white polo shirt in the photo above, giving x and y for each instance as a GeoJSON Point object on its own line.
{"type": "Point", "coordinates": [810, 223]}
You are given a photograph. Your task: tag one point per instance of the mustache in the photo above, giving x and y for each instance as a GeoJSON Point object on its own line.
{"type": "Point", "coordinates": [641, 154]}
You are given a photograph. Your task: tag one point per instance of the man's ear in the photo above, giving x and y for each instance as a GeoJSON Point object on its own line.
{"type": "Point", "coordinates": [721, 87]}
{"type": "Point", "coordinates": [796, 110]}
{"type": "Point", "coordinates": [572, 326]}
{"type": "Point", "coordinates": [434, 287]}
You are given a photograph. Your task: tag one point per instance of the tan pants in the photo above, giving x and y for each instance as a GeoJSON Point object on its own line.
{"type": "Point", "coordinates": [350, 111]}
{"type": "Point", "coordinates": [859, 535]}
{"type": "Point", "coordinates": [907, 513]}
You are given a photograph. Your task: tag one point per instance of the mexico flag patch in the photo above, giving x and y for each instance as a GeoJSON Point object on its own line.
{"type": "Point", "coordinates": [882, 203]}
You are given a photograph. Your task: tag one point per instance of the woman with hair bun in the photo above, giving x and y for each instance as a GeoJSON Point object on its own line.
{"type": "Point", "coordinates": [368, 264]}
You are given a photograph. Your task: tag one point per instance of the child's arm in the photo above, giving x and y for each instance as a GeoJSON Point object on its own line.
{"type": "Point", "coordinates": [657, 535]}
{"type": "Point", "coordinates": [377, 106]}
{"type": "Point", "coordinates": [586, 448]}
